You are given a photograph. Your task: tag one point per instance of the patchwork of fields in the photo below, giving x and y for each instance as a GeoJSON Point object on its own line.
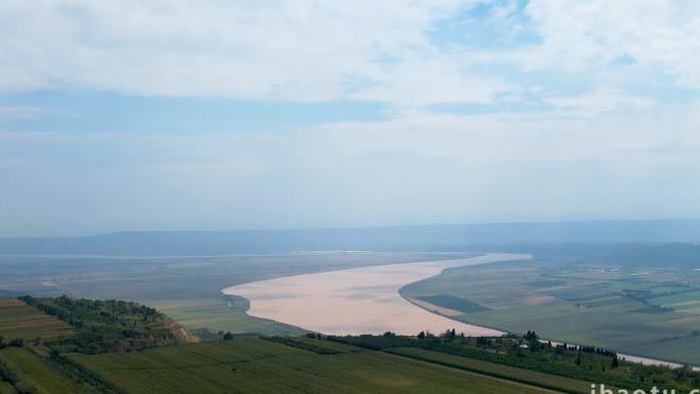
{"type": "Point", "coordinates": [243, 365]}
{"type": "Point", "coordinates": [645, 311]}
{"type": "Point", "coordinates": [107, 352]}
{"type": "Point", "coordinates": [19, 320]}
{"type": "Point", "coordinates": [652, 311]}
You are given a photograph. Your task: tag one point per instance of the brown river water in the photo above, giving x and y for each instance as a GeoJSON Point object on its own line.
{"type": "Point", "coordinates": [358, 301]}
{"type": "Point", "coordinates": [366, 300]}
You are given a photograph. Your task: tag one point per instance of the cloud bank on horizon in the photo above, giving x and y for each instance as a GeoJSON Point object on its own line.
{"type": "Point", "coordinates": [236, 114]}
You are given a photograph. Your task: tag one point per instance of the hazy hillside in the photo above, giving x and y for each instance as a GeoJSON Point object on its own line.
{"type": "Point", "coordinates": [407, 238]}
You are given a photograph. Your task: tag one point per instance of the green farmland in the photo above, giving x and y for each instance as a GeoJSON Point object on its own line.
{"type": "Point", "coordinates": [251, 365]}
{"type": "Point", "coordinates": [19, 320]}
{"type": "Point", "coordinates": [492, 369]}
{"type": "Point", "coordinates": [35, 373]}
{"type": "Point", "coordinates": [647, 311]}
{"type": "Point", "coordinates": [224, 313]}
{"type": "Point", "coordinates": [123, 347]}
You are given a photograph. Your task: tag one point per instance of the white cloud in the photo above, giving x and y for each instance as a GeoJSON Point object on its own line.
{"type": "Point", "coordinates": [600, 150]}
{"type": "Point", "coordinates": [590, 104]}
{"type": "Point", "coordinates": [591, 35]}
{"type": "Point", "coordinates": [328, 50]}
{"type": "Point", "coordinates": [430, 79]}
{"type": "Point", "coordinates": [304, 50]}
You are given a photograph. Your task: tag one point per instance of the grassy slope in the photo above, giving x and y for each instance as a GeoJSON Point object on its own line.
{"type": "Point", "coordinates": [19, 320]}
{"type": "Point", "coordinates": [255, 365]}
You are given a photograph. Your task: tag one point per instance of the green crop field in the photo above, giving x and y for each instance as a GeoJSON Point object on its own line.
{"type": "Point", "coordinates": [19, 320]}
{"type": "Point", "coordinates": [247, 365]}
{"type": "Point", "coordinates": [454, 303]}
{"type": "Point", "coordinates": [498, 370]}
{"type": "Point", "coordinates": [648, 311]}
{"type": "Point", "coordinates": [109, 353]}
{"type": "Point", "coordinates": [221, 314]}
{"type": "Point", "coordinates": [35, 373]}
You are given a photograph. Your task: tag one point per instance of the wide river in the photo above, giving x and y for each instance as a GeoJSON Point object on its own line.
{"type": "Point", "coordinates": [359, 300]}
{"type": "Point", "coordinates": [366, 301]}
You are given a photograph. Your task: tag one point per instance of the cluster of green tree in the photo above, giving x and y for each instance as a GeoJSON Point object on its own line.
{"type": "Point", "coordinates": [206, 334]}
{"type": "Point", "coordinates": [528, 352]}
{"type": "Point", "coordinates": [103, 326]}
{"type": "Point", "coordinates": [16, 342]}
{"type": "Point", "coordinates": [589, 349]}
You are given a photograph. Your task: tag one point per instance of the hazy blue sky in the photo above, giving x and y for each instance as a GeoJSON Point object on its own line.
{"type": "Point", "coordinates": [229, 114]}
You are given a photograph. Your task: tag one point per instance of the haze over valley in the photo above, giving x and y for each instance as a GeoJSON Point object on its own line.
{"type": "Point", "coordinates": [451, 196]}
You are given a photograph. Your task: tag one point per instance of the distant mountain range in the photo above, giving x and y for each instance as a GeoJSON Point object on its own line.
{"type": "Point", "coordinates": [403, 238]}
